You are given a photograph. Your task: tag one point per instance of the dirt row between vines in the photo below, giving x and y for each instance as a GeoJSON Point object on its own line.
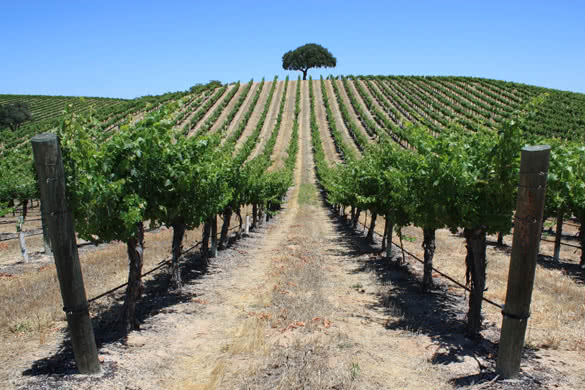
{"type": "Point", "coordinates": [255, 117]}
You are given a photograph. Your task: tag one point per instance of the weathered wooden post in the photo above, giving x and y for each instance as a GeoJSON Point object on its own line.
{"type": "Point", "coordinates": [46, 239]}
{"type": "Point", "coordinates": [558, 234]}
{"type": "Point", "coordinates": [247, 224]}
{"type": "Point", "coordinates": [49, 166]}
{"type": "Point", "coordinates": [525, 244]}
{"type": "Point", "coordinates": [21, 240]}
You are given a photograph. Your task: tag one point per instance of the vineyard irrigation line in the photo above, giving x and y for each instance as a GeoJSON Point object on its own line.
{"type": "Point", "coordinates": [161, 264]}
{"type": "Point", "coordinates": [439, 272]}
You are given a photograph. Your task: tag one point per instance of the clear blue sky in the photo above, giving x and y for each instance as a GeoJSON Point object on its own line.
{"type": "Point", "coordinates": [133, 48]}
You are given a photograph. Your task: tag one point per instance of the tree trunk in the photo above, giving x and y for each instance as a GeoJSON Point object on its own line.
{"type": "Point", "coordinates": [356, 218]}
{"type": "Point", "coordinates": [223, 237]}
{"type": "Point", "coordinates": [178, 235]}
{"type": "Point", "coordinates": [558, 234]}
{"type": "Point", "coordinates": [205, 242]}
{"type": "Point", "coordinates": [11, 205]}
{"type": "Point", "coordinates": [429, 247]}
{"type": "Point", "coordinates": [384, 236]}
{"type": "Point", "coordinates": [372, 227]}
{"type": "Point", "coordinates": [305, 73]}
{"type": "Point", "coordinates": [135, 248]}
{"type": "Point", "coordinates": [213, 249]}
{"type": "Point", "coordinates": [24, 203]}
{"type": "Point", "coordinates": [500, 242]}
{"type": "Point", "coordinates": [239, 214]}
{"type": "Point", "coordinates": [475, 274]}
{"type": "Point", "coordinates": [254, 215]}
{"type": "Point", "coordinates": [389, 228]}
{"type": "Point", "coordinates": [352, 214]}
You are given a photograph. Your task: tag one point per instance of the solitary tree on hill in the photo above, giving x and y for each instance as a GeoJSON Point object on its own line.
{"type": "Point", "coordinates": [308, 56]}
{"type": "Point", "coordinates": [14, 114]}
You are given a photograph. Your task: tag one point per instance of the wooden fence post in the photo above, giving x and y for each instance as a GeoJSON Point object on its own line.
{"type": "Point", "coordinates": [49, 166]}
{"type": "Point", "coordinates": [527, 231]}
{"type": "Point", "coordinates": [46, 239]}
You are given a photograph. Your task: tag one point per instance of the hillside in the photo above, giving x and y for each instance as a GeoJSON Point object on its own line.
{"type": "Point", "coordinates": [306, 299]}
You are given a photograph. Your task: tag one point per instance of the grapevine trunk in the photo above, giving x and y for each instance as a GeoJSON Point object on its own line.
{"type": "Point", "coordinates": [178, 234]}
{"type": "Point", "coordinates": [429, 247]}
{"type": "Point", "coordinates": [135, 248]}
{"type": "Point", "coordinates": [205, 242]}
{"type": "Point", "coordinates": [227, 216]}
{"type": "Point", "coordinates": [372, 227]}
{"type": "Point", "coordinates": [475, 274]}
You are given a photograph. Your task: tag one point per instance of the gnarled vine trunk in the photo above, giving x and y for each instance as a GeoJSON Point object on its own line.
{"type": "Point", "coordinates": [429, 247]}
{"type": "Point", "coordinates": [135, 248]}
{"type": "Point", "coordinates": [356, 218]}
{"type": "Point", "coordinates": [239, 214]}
{"type": "Point", "coordinates": [225, 227]}
{"type": "Point", "coordinates": [384, 236]}
{"type": "Point", "coordinates": [372, 227]}
{"type": "Point", "coordinates": [213, 249]}
{"type": "Point", "coordinates": [475, 275]}
{"type": "Point", "coordinates": [254, 215]}
{"type": "Point", "coordinates": [205, 242]}
{"type": "Point", "coordinates": [24, 203]}
{"type": "Point", "coordinates": [389, 227]}
{"type": "Point", "coordinates": [177, 250]}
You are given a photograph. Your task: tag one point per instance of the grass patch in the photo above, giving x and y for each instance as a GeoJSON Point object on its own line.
{"type": "Point", "coordinates": [307, 194]}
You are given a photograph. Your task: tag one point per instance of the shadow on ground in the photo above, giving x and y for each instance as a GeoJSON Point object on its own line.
{"type": "Point", "coordinates": [573, 270]}
{"type": "Point", "coordinates": [438, 314]}
{"type": "Point", "coordinates": [155, 298]}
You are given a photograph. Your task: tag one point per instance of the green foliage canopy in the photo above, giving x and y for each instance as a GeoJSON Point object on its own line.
{"type": "Point", "coordinates": [308, 56]}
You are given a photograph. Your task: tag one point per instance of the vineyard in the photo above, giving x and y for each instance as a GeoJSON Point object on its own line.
{"type": "Point", "coordinates": [258, 177]}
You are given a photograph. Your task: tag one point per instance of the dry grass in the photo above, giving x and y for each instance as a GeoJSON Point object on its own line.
{"type": "Point", "coordinates": [30, 301]}
{"type": "Point", "coordinates": [558, 301]}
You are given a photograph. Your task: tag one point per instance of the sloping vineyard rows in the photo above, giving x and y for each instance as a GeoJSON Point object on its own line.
{"type": "Point", "coordinates": [151, 172]}
{"type": "Point", "coordinates": [456, 179]}
{"type": "Point", "coordinates": [46, 107]}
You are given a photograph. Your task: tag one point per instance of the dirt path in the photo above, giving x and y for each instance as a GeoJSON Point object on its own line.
{"type": "Point", "coordinates": [279, 153]}
{"type": "Point", "coordinates": [329, 147]}
{"type": "Point", "coordinates": [269, 122]}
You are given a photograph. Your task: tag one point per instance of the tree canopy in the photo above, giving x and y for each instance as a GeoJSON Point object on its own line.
{"type": "Point", "coordinates": [14, 114]}
{"type": "Point", "coordinates": [308, 56]}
